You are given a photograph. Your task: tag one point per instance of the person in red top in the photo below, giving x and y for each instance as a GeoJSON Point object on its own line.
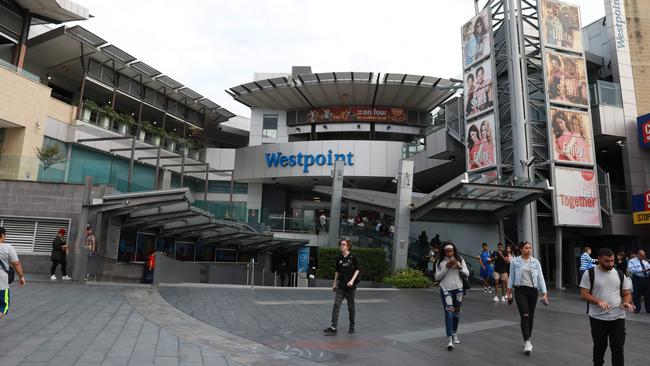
{"type": "Point", "coordinates": [149, 267]}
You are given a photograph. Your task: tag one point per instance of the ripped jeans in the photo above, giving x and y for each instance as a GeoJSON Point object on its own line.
{"type": "Point", "coordinates": [452, 300]}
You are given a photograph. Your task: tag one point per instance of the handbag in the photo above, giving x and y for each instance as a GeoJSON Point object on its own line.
{"type": "Point", "coordinates": [465, 278]}
{"type": "Point", "coordinates": [11, 273]}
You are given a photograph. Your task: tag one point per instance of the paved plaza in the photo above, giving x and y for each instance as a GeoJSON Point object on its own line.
{"type": "Point", "coordinates": [111, 324]}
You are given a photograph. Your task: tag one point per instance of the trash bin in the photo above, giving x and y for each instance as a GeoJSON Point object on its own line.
{"type": "Point", "coordinates": [311, 281]}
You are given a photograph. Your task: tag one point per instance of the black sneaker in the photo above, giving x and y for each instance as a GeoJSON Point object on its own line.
{"type": "Point", "coordinates": [351, 330]}
{"type": "Point", "coordinates": [330, 331]}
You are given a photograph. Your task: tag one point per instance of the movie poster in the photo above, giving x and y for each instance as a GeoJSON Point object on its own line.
{"type": "Point", "coordinates": [479, 90]}
{"type": "Point", "coordinates": [576, 197]}
{"type": "Point", "coordinates": [566, 79]}
{"type": "Point", "coordinates": [560, 23]}
{"type": "Point", "coordinates": [476, 38]}
{"type": "Point", "coordinates": [571, 136]}
{"type": "Point", "coordinates": [481, 146]}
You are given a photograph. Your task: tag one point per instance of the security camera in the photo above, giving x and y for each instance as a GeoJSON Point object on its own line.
{"type": "Point", "coordinates": [394, 180]}
{"type": "Point", "coordinates": [620, 143]}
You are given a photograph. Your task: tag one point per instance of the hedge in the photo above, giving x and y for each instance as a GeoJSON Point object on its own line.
{"type": "Point", "coordinates": [371, 260]}
{"type": "Point", "coordinates": [408, 278]}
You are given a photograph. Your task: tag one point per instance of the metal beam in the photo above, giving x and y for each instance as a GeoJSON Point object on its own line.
{"type": "Point", "coordinates": [137, 148]}
{"type": "Point", "coordinates": [105, 139]}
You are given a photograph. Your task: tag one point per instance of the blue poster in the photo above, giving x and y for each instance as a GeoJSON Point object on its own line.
{"type": "Point", "coordinates": [303, 259]}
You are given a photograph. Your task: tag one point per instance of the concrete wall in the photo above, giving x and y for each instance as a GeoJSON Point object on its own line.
{"type": "Point", "coordinates": [466, 237]}
{"type": "Point", "coordinates": [172, 271]}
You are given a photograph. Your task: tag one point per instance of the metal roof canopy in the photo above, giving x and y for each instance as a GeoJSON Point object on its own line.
{"type": "Point", "coordinates": [418, 92]}
{"type": "Point", "coordinates": [54, 11]}
{"type": "Point", "coordinates": [493, 197]}
{"type": "Point", "coordinates": [170, 212]}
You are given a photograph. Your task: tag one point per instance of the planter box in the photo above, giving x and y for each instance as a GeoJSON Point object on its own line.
{"type": "Point", "coordinates": [171, 145]}
{"type": "Point", "coordinates": [141, 135]}
{"type": "Point", "coordinates": [155, 140]}
{"type": "Point", "coordinates": [194, 154]}
{"type": "Point", "coordinates": [122, 128]}
{"type": "Point", "coordinates": [85, 114]}
{"type": "Point", "coordinates": [104, 121]}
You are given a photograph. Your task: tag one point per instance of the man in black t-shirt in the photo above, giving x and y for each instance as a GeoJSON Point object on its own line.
{"type": "Point", "coordinates": [345, 284]}
{"type": "Point", "coordinates": [500, 274]}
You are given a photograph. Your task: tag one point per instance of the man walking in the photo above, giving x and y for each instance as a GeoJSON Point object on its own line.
{"type": "Point", "coordinates": [58, 256]}
{"type": "Point", "coordinates": [8, 259]}
{"type": "Point", "coordinates": [639, 269]}
{"type": "Point", "coordinates": [345, 284]}
{"type": "Point", "coordinates": [607, 290]}
{"type": "Point", "coordinates": [485, 260]}
{"type": "Point", "coordinates": [586, 262]}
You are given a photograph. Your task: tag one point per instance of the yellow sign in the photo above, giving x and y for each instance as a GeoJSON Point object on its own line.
{"type": "Point", "coordinates": [641, 217]}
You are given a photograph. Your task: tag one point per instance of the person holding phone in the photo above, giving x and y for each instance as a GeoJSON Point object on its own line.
{"type": "Point", "coordinates": [346, 278]}
{"type": "Point", "coordinates": [449, 267]}
{"type": "Point", "coordinates": [526, 278]}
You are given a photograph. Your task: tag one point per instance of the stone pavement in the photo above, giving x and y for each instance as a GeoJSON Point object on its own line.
{"type": "Point", "coordinates": [76, 324]}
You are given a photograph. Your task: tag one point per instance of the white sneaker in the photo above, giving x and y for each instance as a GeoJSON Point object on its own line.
{"type": "Point", "coordinates": [450, 345]}
{"type": "Point", "coordinates": [503, 299]}
{"type": "Point", "coordinates": [490, 290]}
{"type": "Point", "coordinates": [485, 289]}
{"type": "Point", "coordinates": [53, 277]}
{"type": "Point", "coordinates": [528, 348]}
{"type": "Point", "coordinates": [66, 278]}
{"type": "Point", "coordinates": [455, 338]}
{"type": "Point", "coordinates": [496, 299]}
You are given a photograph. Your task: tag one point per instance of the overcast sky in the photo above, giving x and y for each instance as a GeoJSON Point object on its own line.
{"type": "Point", "coordinates": [211, 46]}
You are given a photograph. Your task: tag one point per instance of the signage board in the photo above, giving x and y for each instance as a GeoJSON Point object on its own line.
{"type": "Point", "coordinates": [481, 145]}
{"type": "Point", "coordinates": [357, 114]}
{"type": "Point", "coordinates": [643, 122]}
{"type": "Point", "coordinates": [571, 136]}
{"type": "Point", "coordinates": [560, 25]}
{"type": "Point", "coordinates": [576, 198]}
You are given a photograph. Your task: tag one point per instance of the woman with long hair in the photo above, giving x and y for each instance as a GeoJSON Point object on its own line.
{"type": "Point", "coordinates": [449, 268]}
{"type": "Point", "coordinates": [526, 278]}
{"type": "Point", "coordinates": [473, 145]}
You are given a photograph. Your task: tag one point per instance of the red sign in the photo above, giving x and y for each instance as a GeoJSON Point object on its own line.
{"type": "Point", "coordinates": [644, 130]}
{"type": "Point", "coordinates": [357, 114]}
{"type": "Point", "coordinates": [647, 201]}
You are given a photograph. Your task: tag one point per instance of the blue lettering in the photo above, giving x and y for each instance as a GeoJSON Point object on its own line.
{"type": "Point", "coordinates": [300, 159]}
{"type": "Point", "coordinates": [340, 157]}
{"type": "Point", "coordinates": [284, 161]}
{"type": "Point", "coordinates": [350, 155]}
{"type": "Point", "coordinates": [320, 159]}
{"type": "Point", "coordinates": [309, 161]}
{"type": "Point", "coordinates": [272, 159]}
{"type": "Point", "coordinates": [329, 157]}
{"type": "Point", "coordinates": [292, 160]}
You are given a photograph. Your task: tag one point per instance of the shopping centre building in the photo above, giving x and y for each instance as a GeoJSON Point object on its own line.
{"type": "Point", "coordinates": [560, 161]}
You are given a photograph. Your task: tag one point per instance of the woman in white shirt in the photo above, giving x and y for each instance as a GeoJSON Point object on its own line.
{"type": "Point", "coordinates": [449, 268]}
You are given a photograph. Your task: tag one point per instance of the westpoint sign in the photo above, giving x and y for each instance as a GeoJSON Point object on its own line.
{"type": "Point", "coordinates": [276, 159]}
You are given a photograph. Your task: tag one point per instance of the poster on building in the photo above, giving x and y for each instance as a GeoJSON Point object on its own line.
{"type": "Point", "coordinates": [643, 122]}
{"type": "Point", "coordinates": [576, 197]}
{"type": "Point", "coordinates": [571, 136]}
{"type": "Point", "coordinates": [641, 208]}
{"type": "Point", "coordinates": [357, 114]}
{"type": "Point", "coordinates": [560, 23]}
{"type": "Point", "coordinates": [479, 90]}
{"type": "Point", "coordinates": [481, 143]}
{"type": "Point", "coordinates": [477, 38]}
{"type": "Point", "coordinates": [566, 79]}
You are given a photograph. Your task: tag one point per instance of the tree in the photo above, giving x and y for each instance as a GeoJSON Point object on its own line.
{"type": "Point", "coordinates": [50, 155]}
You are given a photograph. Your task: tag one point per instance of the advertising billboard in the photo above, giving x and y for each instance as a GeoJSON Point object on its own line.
{"type": "Point", "coordinates": [560, 25]}
{"type": "Point", "coordinates": [481, 145]}
{"type": "Point", "coordinates": [576, 201]}
{"type": "Point", "coordinates": [357, 114]}
{"type": "Point", "coordinates": [571, 136]}
{"type": "Point", "coordinates": [641, 208]}
{"type": "Point", "coordinates": [476, 38]}
{"type": "Point", "coordinates": [566, 79]}
{"type": "Point", "coordinates": [479, 89]}
{"type": "Point", "coordinates": [643, 122]}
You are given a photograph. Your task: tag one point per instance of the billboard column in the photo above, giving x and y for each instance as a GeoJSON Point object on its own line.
{"type": "Point", "coordinates": [335, 207]}
{"type": "Point", "coordinates": [402, 215]}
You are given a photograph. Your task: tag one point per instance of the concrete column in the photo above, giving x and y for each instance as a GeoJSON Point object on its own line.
{"type": "Point", "coordinates": [335, 206]}
{"type": "Point", "coordinates": [80, 259]}
{"type": "Point", "coordinates": [166, 180]}
{"type": "Point", "coordinates": [254, 199]}
{"type": "Point", "coordinates": [558, 257]}
{"type": "Point", "coordinates": [402, 214]}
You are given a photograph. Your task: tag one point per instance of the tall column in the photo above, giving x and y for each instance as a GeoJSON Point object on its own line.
{"type": "Point", "coordinates": [335, 206]}
{"type": "Point", "coordinates": [80, 258]}
{"type": "Point", "coordinates": [402, 214]}
{"type": "Point", "coordinates": [558, 257]}
{"type": "Point", "coordinates": [522, 140]}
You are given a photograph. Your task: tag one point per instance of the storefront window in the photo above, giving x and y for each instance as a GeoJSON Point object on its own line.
{"type": "Point", "coordinates": [146, 245]}
{"type": "Point", "coordinates": [205, 253]}
{"type": "Point", "coordinates": [226, 255]}
{"type": "Point", "coordinates": [270, 126]}
{"type": "Point", "coordinates": [126, 250]}
{"type": "Point", "coordinates": [184, 252]}
{"type": "Point", "coordinates": [165, 245]}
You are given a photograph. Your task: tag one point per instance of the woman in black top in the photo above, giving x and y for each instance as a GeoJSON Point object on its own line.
{"type": "Point", "coordinates": [621, 262]}
{"type": "Point", "coordinates": [58, 256]}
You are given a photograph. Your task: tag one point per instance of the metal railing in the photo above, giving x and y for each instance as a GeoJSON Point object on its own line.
{"type": "Point", "coordinates": [605, 93]}
{"type": "Point", "coordinates": [6, 65]}
{"type": "Point", "coordinates": [605, 191]}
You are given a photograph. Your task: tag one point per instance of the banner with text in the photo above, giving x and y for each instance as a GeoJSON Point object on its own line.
{"type": "Point", "coordinates": [357, 114]}
{"type": "Point", "coordinates": [571, 136]}
{"type": "Point", "coordinates": [566, 79]}
{"type": "Point", "coordinates": [560, 23]}
{"type": "Point", "coordinates": [576, 197]}
{"type": "Point", "coordinates": [481, 146]}
{"type": "Point", "coordinates": [477, 39]}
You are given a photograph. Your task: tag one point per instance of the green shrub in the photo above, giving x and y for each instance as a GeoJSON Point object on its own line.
{"type": "Point", "coordinates": [371, 260]}
{"type": "Point", "coordinates": [408, 278]}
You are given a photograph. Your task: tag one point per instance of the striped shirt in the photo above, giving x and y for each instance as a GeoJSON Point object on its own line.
{"type": "Point", "coordinates": [586, 262]}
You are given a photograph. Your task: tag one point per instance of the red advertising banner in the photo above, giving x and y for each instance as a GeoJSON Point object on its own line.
{"type": "Point", "coordinates": [357, 114]}
{"type": "Point", "coordinates": [644, 130]}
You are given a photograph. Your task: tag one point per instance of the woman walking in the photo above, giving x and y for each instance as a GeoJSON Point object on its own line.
{"type": "Point", "coordinates": [526, 277]}
{"type": "Point", "coordinates": [449, 269]}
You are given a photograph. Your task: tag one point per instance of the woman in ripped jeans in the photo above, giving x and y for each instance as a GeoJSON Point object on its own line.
{"type": "Point", "coordinates": [448, 270]}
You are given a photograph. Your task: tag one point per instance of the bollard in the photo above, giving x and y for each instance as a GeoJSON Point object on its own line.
{"type": "Point", "coordinates": [263, 270]}
{"type": "Point", "coordinates": [275, 279]}
{"type": "Point", "coordinates": [248, 267]}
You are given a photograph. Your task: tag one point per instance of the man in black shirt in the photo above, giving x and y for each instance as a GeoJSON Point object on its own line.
{"type": "Point", "coordinates": [501, 265]}
{"type": "Point", "coordinates": [345, 284]}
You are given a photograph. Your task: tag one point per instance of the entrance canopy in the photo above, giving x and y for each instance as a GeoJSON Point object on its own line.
{"type": "Point", "coordinates": [486, 198]}
{"type": "Point", "coordinates": [170, 213]}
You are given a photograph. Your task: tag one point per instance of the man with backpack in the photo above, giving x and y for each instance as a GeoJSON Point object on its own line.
{"type": "Point", "coordinates": [607, 292]}
{"type": "Point", "coordinates": [9, 266]}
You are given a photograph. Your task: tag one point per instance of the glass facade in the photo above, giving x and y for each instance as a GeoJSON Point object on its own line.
{"type": "Point", "coordinates": [270, 126]}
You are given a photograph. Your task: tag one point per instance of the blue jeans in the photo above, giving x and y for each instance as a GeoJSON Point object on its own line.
{"type": "Point", "coordinates": [452, 300]}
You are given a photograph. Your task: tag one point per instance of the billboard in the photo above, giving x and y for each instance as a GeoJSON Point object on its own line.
{"type": "Point", "coordinates": [357, 114]}
{"type": "Point", "coordinates": [481, 144]}
{"type": "Point", "coordinates": [576, 201]}
{"type": "Point", "coordinates": [566, 79]}
{"type": "Point", "coordinates": [479, 89]}
{"type": "Point", "coordinates": [560, 25]}
{"type": "Point", "coordinates": [643, 122]}
{"type": "Point", "coordinates": [571, 136]}
{"type": "Point", "coordinates": [641, 208]}
{"type": "Point", "coordinates": [476, 39]}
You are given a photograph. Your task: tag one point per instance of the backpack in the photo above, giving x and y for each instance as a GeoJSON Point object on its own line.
{"type": "Point", "coordinates": [592, 276]}
{"type": "Point", "coordinates": [11, 273]}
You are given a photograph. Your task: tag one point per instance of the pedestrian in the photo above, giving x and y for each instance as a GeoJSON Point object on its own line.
{"type": "Point", "coordinates": [607, 291]}
{"type": "Point", "coordinates": [586, 262]}
{"type": "Point", "coordinates": [149, 267]}
{"type": "Point", "coordinates": [58, 256]}
{"type": "Point", "coordinates": [345, 283]}
{"type": "Point", "coordinates": [485, 260]}
{"type": "Point", "coordinates": [621, 262]}
{"type": "Point", "coordinates": [431, 259]}
{"type": "Point", "coordinates": [526, 278]}
{"type": "Point", "coordinates": [500, 272]}
{"type": "Point", "coordinates": [639, 269]}
{"type": "Point", "coordinates": [89, 244]}
{"type": "Point", "coordinates": [283, 272]}
{"type": "Point", "coordinates": [449, 269]}
{"type": "Point", "coordinates": [8, 259]}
